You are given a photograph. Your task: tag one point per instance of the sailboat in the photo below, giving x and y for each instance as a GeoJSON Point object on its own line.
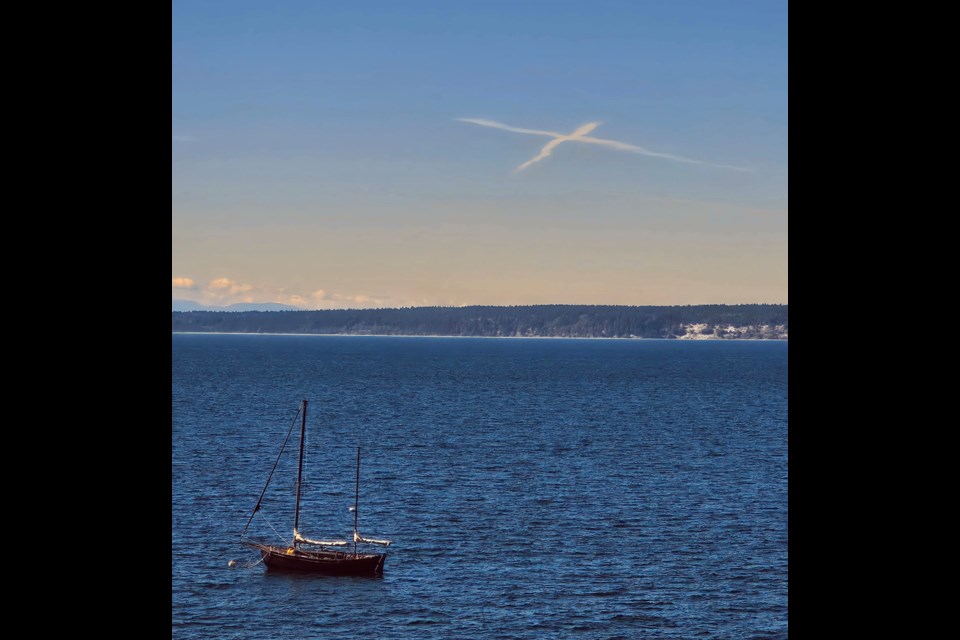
{"type": "Point", "coordinates": [325, 557]}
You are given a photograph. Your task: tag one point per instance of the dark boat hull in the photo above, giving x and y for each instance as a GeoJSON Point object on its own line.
{"type": "Point", "coordinates": [328, 563]}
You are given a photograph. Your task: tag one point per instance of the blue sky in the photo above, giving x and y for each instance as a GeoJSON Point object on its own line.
{"type": "Point", "coordinates": [318, 159]}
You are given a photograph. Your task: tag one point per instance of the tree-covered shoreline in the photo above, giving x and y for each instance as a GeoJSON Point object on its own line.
{"type": "Point", "coordinates": [745, 321]}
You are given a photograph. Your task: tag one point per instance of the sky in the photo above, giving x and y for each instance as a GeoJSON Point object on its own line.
{"type": "Point", "coordinates": [359, 154]}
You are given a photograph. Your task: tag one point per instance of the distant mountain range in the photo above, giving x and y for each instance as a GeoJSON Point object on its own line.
{"type": "Point", "coordinates": [190, 305]}
{"type": "Point", "coordinates": [695, 322]}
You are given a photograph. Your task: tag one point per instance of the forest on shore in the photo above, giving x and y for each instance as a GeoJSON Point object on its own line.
{"type": "Point", "coordinates": [742, 321]}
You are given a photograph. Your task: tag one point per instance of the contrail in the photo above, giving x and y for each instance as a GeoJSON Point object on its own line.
{"type": "Point", "coordinates": [580, 135]}
{"type": "Point", "coordinates": [547, 150]}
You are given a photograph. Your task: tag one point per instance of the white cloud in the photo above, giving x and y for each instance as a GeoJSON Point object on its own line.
{"type": "Point", "coordinates": [226, 286]}
{"type": "Point", "coordinates": [224, 291]}
{"type": "Point", "coordinates": [220, 283]}
{"type": "Point", "coordinates": [183, 283]}
{"type": "Point", "coordinates": [358, 300]}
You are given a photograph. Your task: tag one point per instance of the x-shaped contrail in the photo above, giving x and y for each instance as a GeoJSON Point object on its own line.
{"type": "Point", "coordinates": [580, 135]}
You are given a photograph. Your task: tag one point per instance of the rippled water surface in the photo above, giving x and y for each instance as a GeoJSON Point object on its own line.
{"type": "Point", "coordinates": [532, 488]}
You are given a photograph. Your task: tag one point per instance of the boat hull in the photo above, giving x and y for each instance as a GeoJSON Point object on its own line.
{"type": "Point", "coordinates": [328, 563]}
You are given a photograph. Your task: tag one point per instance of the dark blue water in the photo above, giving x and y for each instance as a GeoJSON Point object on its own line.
{"type": "Point", "coordinates": [532, 488]}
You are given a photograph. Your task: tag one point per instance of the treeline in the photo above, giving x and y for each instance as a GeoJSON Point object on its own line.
{"type": "Point", "coordinates": [569, 321]}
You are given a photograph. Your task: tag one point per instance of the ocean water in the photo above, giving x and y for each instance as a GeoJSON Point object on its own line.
{"type": "Point", "coordinates": [532, 488]}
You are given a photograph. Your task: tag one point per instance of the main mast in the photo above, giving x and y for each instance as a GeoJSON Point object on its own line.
{"type": "Point", "coordinates": [356, 505]}
{"type": "Point", "coordinates": [303, 438]}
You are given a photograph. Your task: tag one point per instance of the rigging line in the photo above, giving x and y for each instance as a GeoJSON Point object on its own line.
{"type": "Point", "coordinates": [272, 527]}
{"type": "Point", "coordinates": [282, 447]}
